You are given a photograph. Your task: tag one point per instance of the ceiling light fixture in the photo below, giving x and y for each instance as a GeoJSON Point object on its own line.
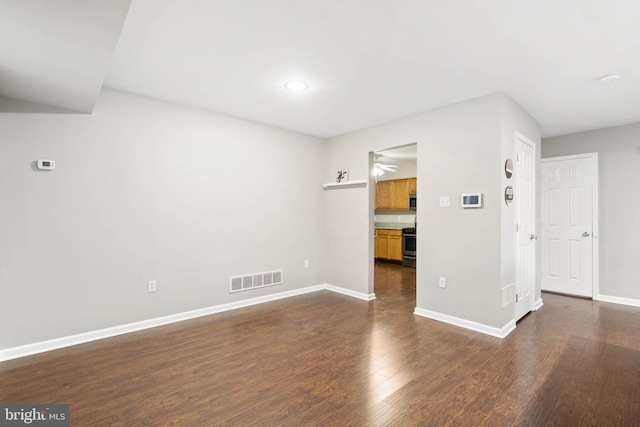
{"type": "Point", "coordinates": [611, 77]}
{"type": "Point", "coordinates": [377, 171]}
{"type": "Point", "coordinates": [296, 85]}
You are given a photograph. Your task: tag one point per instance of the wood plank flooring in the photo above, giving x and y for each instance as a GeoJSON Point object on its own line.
{"type": "Point", "coordinates": [325, 359]}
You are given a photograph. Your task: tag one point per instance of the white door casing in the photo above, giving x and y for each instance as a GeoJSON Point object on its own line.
{"type": "Point", "coordinates": [525, 205]}
{"type": "Point", "coordinates": [568, 188]}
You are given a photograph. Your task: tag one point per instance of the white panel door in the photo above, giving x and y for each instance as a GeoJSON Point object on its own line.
{"type": "Point", "coordinates": [567, 226]}
{"type": "Point", "coordinates": [524, 202]}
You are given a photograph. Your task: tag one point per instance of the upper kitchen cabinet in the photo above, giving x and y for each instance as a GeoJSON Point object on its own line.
{"type": "Point", "coordinates": [383, 195]}
{"type": "Point", "coordinates": [413, 186]}
{"type": "Point", "coordinates": [393, 194]}
{"type": "Point", "coordinates": [400, 194]}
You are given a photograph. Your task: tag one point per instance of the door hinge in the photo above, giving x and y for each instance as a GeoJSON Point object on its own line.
{"type": "Point", "coordinates": [517, 226]}
{"type": "Point", "coordinates": [517, 297]}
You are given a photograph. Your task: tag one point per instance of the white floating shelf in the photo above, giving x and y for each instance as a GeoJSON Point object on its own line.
{"type": "Point", "coordinates": [348, 184]}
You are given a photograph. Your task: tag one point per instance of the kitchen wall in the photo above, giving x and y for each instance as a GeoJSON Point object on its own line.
{"type": "Point", "coordinates": [618, 151]}
{"type": "Point", "coordinates": [407, 168]}
{"type": "Point", "coordinates": [407, 219]}
{"type": "Point", "coordinates": [460, 149]}
{"type": "Point", "coordinates": [146, 190]}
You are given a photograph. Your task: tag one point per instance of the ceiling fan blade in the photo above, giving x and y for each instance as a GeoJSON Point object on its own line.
{"type": "Point", "coordinates": [388, 169]}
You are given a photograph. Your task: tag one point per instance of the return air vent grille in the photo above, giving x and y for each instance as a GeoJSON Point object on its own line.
{"type": "Point", "coordinates": [256, 280]}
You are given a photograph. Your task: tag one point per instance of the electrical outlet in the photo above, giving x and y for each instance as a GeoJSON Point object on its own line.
{"type": "Point", "coordinates": [151, 286]}
{"type": "Point", "coordinates": [306, 263]}
{"type": "Point", "coordinates": [445, 201]}
{"type": "Point", "coordinates": [442, 282]}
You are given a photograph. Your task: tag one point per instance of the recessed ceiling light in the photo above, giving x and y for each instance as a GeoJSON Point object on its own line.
{"type": "Point", "coordinates": [611, 77]}
{"type": "Point", "coordinates": [296, 85]}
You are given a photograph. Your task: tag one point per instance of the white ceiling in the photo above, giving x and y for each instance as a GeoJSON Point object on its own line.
{"type": "Point", "coordinates": [371, 61]}
{"type": "Point", "coordinates": [54, 54]}
{"type": "Point", "coordinates": [407, 152]}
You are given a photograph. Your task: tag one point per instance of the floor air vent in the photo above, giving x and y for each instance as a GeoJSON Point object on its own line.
{"type": "Point", "coordinates": [253, 281]}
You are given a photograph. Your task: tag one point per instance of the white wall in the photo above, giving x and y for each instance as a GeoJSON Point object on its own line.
{"type": "Point", "coordinates": [618, 151]}
{"type": "Point", "coordinates": [459, 150]}
{"type": "Point", "coordinates": [147, 190]}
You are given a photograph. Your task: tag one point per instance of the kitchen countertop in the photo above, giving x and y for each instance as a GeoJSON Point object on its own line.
{"type": "Point", "coordinates": [393, 225]}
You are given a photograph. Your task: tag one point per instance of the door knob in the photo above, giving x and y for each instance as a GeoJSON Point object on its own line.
{"type": "Point", "coordinates": [585, 234]}
{"type": "Point", "coordinates": [533, 237]}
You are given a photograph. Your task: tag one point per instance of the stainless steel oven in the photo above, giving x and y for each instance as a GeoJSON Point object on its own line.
{"type": "Point", "coordinates": [409, 249]}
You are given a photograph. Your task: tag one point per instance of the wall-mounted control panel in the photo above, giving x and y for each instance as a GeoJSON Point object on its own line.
{"type": "Point", "coordinates": [46, 165]}
{"type": "Point", "coordinates": [471, 200]}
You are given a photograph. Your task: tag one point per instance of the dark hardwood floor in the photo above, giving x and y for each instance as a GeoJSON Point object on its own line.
{"type": "Point", "coordinates": [330, 360]}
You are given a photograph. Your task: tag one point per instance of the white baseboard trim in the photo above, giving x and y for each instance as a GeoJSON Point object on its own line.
{"type": "Point", "coordinates": [538, 305]}
{"type": "Point", "coordinates": [349, 292]}
{"type": "Point", "coordinates": [467, 324]}
{"type": "Point", "coordinates": [618, 300]}
{"type": "Point", "coordinates": [68, 341]}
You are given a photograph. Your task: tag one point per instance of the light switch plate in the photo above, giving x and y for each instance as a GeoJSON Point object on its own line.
{"type": "Point", "coordinates": [442, 282]}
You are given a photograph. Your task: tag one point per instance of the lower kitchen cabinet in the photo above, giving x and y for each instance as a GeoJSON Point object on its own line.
{"type": "Point", "coordinates": [388, 244]}
{"type": "Point", "coordinates": [395, 246]}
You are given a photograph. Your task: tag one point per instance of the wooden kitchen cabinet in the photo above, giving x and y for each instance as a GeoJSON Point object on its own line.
{"type": "Point", "coordinates": [413, 186]}
{"type": "Point", "coordinates": [394, 194]}
{"type": "Point", "coordinates": [388, 244]}
{"type": "Point", "coordinates": [383, 195]}
{"type": "Point", "coordinates": [381, 244]}
{"type": "Point", "coordinates": [400, 194]}
{"type": "Point", "coordinates": [395, 246]}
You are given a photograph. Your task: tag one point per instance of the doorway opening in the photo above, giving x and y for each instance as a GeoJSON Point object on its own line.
{"type": "Point", "coordinates": [393, 210]}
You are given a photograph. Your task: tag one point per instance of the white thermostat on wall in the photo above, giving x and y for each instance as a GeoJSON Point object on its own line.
{"type": "Point", "coordinates": [46, 165]}
{"type": "Point", "coordinates": [471, 200]}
